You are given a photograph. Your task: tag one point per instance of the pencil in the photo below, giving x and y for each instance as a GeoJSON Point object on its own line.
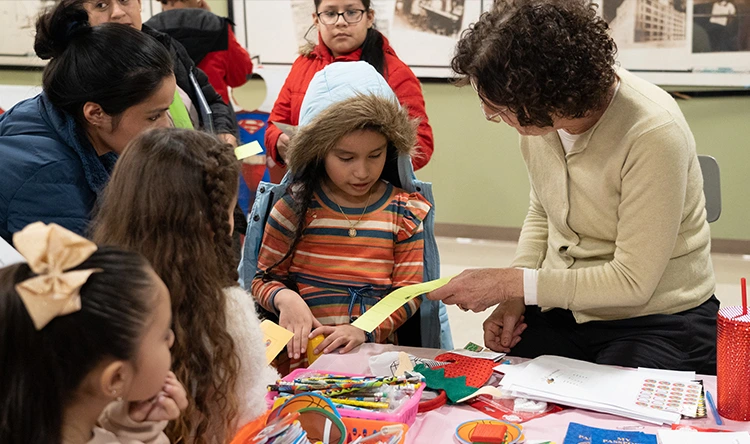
{"type": "Point", "coordinates": [712, 406]}
{"type": "Point", "coordinates": [365, 404]}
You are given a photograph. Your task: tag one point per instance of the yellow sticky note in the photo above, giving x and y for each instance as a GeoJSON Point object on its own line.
{"type": "Point", "coordinates": [248, 149]}
{"type": "Point", "coordinates": [404, 364]}
{"type": "Point", "coordinates": [275, 337]}
{"type": "Point", "coordinates": [380, 311]}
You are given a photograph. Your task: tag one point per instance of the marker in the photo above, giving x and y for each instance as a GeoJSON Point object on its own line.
{"type": "Point", "coordinates": [365, 404]}
{"type": "Point", "coordinates": [363, 398]}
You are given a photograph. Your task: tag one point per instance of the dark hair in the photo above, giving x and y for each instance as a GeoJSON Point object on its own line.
{"type": "Point", "coordinates": [169, 199]}
{"type": "Point", "coordinates": [372, 48]}
{"type": "Point", "coordinates": [301, 191]}
{"type": "Point", "coordinates": [42, 370]}
{"type": "Point", "coordinates": [539, 58]}
{"type": "Point", "coordinates": [112, 65]}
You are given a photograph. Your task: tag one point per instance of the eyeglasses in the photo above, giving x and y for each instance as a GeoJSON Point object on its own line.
{"type": "Point", "coordinates": [495, 117]}
{"type": "Point", "coordinates": [350, 16]}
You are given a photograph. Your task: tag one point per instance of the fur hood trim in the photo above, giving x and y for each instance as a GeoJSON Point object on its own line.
{"type": "Point", "coordinates": [315, 140]}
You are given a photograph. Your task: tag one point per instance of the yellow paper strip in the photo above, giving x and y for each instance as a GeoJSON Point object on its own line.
{"type": "Point", "coordinates": [275, 337]}
{"type": "Point", "coordinates": [380, 311]}
{"type": "Point", "coordinates": [248, 149]}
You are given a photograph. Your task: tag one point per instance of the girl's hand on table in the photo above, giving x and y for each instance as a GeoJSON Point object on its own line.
{"type": "Point", "coordinates": [345, 335]}
{"type": "Point", "coordinates": [295, 316]}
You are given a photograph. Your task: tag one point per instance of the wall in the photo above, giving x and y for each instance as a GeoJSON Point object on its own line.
{"type": "Point", "coordinates": [480, 179]}
{"type": "Point", "coordinates": [218, 7]}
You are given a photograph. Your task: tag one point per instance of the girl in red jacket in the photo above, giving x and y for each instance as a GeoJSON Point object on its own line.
{"type": "Point", "coordinates": [346, 34]}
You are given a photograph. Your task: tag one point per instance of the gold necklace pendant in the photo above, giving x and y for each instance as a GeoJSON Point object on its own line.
{"type": "Point", "coordinates": [353, 231]}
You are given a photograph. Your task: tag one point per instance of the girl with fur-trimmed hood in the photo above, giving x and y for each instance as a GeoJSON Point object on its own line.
{"type": "Point", "coordinates": [343, 236]}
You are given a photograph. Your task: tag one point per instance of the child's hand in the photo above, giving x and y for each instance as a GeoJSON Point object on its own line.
{"type": "Point", "coordinates": [282, 143]}
{"type": "Point", "coordinates": [165, 406]}
{"type": "Point", "coordinates": [345, 335]}
{"type": "Point", "coordinates": [295, 316]}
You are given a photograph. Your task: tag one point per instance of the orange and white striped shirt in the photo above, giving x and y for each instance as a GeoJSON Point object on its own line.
{"type": "Point", "coordinates": [341, 276]}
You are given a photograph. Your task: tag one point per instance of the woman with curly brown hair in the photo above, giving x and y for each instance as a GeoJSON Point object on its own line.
{"type": "Point", "coordinates": [171, 198]}
{"type": "Point", "coordinates": [613, 262]}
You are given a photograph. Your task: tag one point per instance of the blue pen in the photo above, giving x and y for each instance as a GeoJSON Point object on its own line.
{"type": "Point", "coordinates": [712, 406]}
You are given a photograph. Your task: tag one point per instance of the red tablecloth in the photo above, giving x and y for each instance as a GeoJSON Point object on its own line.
{"type": "Point", "coordinates": [438, 426]}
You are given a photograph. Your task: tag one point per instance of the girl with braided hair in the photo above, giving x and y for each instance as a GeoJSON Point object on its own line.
{"type": "Point", "coordinates": [171, 198]}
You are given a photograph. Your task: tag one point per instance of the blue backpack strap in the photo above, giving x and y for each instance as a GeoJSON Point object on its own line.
{"type": "Point", "coordinates": [435, 330]}
{"type": "Point", "coordinates": [265, 198]}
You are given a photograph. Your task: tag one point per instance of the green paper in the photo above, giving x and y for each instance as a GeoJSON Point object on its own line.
{"type": "Point", "coordinates": [455, 388]}
{"type": "Point", "coordinates": [179, 113]}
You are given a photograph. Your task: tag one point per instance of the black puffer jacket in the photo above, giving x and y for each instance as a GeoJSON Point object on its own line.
{"type": "Point", "coordinates": [225, 121]}
{"type": "Point", "coordinates": [200, 32]}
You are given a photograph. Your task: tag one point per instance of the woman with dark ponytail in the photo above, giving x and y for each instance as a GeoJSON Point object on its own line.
{"type": "Point", "coordinates": [103, 86]}
{"type": "Point", "coordinates": [346, 33]}
{"type": "Point", "coordinates": [128, 12]}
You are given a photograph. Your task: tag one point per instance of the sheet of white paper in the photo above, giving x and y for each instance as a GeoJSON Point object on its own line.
{"type": "Point", "coordinates": [691, 437]}
{"type": "Point", "coordinates": [9, 255]}
{"type": "Point", "coordinates": [585, 385]}
{"type": "Point", "coordinates": [672, 375]}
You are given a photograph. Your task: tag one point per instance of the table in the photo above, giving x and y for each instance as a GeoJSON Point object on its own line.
{"type": "Point", "coordinates": [438, 426]}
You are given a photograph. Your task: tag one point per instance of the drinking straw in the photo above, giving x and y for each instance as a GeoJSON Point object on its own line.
{"type": "Point", "coordinates": [712, 406]}
{"type": "Point", "coordinates": [743, 284]}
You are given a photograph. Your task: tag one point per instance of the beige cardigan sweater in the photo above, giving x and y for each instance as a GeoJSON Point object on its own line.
{"type": "Point", "coordinates": [618, 226]}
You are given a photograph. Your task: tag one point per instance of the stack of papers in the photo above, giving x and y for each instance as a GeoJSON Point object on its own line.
{"type": "Point", "coordinates": [601, 388]}
{"type": "Point", "coordinates": [690, 437]}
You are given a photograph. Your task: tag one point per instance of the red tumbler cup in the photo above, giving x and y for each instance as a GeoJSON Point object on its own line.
{"type": "Point", "coordinates": [733, 363]}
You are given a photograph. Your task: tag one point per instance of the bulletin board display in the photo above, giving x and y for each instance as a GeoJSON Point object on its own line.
{"type": "Point", "coordinates": [669, 42]}
{"type": "Point", "coordinates": [17, 29]}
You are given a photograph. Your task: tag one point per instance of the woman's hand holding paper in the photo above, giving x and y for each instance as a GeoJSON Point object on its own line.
{"type": "Point", "coordinates": [479, 289]}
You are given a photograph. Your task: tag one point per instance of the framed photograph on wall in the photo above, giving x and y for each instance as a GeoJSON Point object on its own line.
{"type": "Point", "coordinates": [17, 29]}
{"type": "Point", "coordinates": [422, 32]}
{"type": "Point", "coordinates": [669, 42]}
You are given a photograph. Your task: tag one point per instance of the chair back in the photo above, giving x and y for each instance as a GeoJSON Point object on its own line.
{"type": "Point", "coordinates": [711, 187]}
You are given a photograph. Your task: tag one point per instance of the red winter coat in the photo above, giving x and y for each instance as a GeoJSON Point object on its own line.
{"type": "Point", "coordinates": [400, 78]}
{"type": "Point", "coordinates": [230, 67]}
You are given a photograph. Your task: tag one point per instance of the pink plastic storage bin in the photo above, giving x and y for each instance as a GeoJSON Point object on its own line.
{"type": "Point", "coordinates": [406, 414]}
